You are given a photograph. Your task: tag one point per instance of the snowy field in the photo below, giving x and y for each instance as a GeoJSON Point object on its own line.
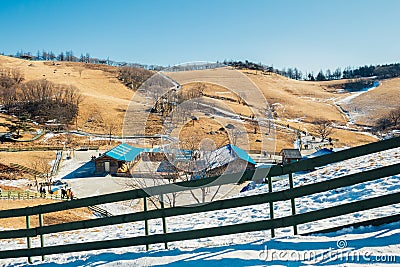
{"type": "Point", "coordinates": [372, 246]}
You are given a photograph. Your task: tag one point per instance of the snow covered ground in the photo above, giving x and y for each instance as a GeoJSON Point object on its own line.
{"type": "Point", "coordinates": [353, 95]}
{"type": "Point", "coordinates": [378, 246]}
{"type": "Point", "coordinates": [351, 114]}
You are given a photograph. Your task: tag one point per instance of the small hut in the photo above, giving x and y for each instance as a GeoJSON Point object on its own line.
{"type": "Point", "coordinates": [290, 155]}
{"type": "Point", "coordinates": [119, 159]}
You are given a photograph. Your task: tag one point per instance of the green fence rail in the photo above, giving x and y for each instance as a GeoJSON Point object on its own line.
{"type": "Point", "coordinates": [269, 224]}
{"type": "Point", "coordinates": [209, 232]}
{"type": "Point", "coordinates": [15, 195]}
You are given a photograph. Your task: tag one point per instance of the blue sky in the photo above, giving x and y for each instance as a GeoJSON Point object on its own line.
{"type": "Point", "coordinates": [308, 34]}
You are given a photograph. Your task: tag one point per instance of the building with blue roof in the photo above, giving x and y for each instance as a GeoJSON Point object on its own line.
{"type": "Point", "coordinates": [122, 159]}
{"type": "Point", "coordinates": [119, 159]}
{"type": "Point", "coordinates": [226, 159]}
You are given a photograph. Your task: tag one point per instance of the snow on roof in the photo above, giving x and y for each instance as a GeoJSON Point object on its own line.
{"type": "Point", "coordinates": [320, 152]}
{"type": "Point", "coordinates": [216, 158]}
{"type": "Point", "coordinates": [224, 155]}
{"type": "Point", "coordinates": [124, 152]}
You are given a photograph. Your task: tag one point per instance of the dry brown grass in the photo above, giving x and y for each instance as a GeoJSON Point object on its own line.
{"type": "Point", "coordinates": [103, 95]}
{"type": "Point", "coordinates": [308, 101]}
{"type": "Point", "coordinates": [202, 127]}
{"type": "Point", "coordinates": [26, 158]}
{"type": "Point", "coordinates": [351, 139]}
{"type": "Point", "coordinates": [9, 188]}
{"type": "Point", "coordinates": [229, 100]}
{"type": "Point", "coordinates": [48, 219]}
{"type": "Point", "coordinates": [341, 137]}
{"type": "Point", "coordinates": [106, 99]}
{"type": "Point", "coordinates": [297, 99]}
{"type": "Point", "coordinates": [378, 102]}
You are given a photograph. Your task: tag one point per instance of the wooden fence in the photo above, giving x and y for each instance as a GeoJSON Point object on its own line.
{"type": "Point", "coordinates": [16, 194]}
{"type": "Point", "coordinates": [271, 223]}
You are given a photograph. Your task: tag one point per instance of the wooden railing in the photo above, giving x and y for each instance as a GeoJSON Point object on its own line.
{"type": "Point", "coordinates": [16, 194]}
{"type": "Point", "coordinates": [268, 224]}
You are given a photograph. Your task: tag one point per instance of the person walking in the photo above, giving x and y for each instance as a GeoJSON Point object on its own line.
{"type": "Point", "coordinates": [68, 193]}
{"type": "Point", "coordinates": [41, 191]}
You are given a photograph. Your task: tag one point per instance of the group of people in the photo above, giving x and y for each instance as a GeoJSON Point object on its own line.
{"type": "Point", "coordinates": [67, 193]}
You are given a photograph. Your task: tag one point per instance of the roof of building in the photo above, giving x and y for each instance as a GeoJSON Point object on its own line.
{"type": "Point", "coordinates": [124, 152]}
{"type": "Point", "coordinates": [242, 154]}
{"type": "Point", "coordinates": [166, 166]}
{"type": "Point", "coordinates": [320, 152]}
{"type": "Point", "coordinates": [224, 155]}
{"type": "Point", "coordinates": [291, 153]}
{"type": "Point", "coordinates": [216, 158]}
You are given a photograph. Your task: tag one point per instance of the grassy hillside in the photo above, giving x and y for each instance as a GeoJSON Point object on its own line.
{"type": "Point", "coordinates": [301, 103]}
{"type": "Point", "coordinates": [297, 103]}
{"type": "Point", "coordinates": [376, 103]}
{"type": "Point", "coordinates": [294, 99]}
{"type": "Point", "coordinates": [105, 98]}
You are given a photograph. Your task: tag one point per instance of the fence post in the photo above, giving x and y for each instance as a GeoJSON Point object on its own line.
{"type": "Point", "coordinates": [292, 203]}
{"type": "Point", "coordinates": [41, 235]}
{"type": "Point", "coordinates": [146, 222]}
{"type": "Point", "coordinates": [271, 205]}
{"type": "Point", "coordinates": [164, 221]}
{"type": "Point", "coordinates": [28, 239]}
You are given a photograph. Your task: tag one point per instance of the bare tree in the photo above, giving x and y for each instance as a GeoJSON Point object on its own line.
{"type": "Point", "coordinates": [196, 90]}
{"type": "Point", "coordinates": [147, 176]}
{"type": "Point", "coordinates": [394, 116]}
{"type": "Point", "coordinates": [44, 100]}
{"type": "Point", "coordinates": [197, 161]}
{"type": "Point", "coordinates": [41, 165]}
{"type": "Point", "coordinates": [10, 80]}
{"type": "Point", "coordinates": [134, 183]}
{"type": "Point", "coordinates": [383, 123]}
{"type": "Point", "coordinates": [324, 128]}
{"type": "Point", "coordinates": [80, 70]}
{"type": "Point", "coordinates": [172, 175]}
{"type": "Point", "coordinates": [133, 77]}
{"type": "Point", "coordinates": [389, 121]}
{"type": "Point", "coordinates": [236, 134]}
{"type": "Point", "coordinates": [202, 165]}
